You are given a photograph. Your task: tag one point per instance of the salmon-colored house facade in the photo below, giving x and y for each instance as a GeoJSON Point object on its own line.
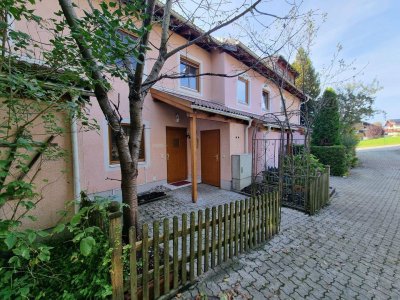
{"type": "Point", "coordinates": [192, 126]}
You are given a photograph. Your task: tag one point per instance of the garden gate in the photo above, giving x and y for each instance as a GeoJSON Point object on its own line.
{"type": "Point", "coordinates": [282, 162]}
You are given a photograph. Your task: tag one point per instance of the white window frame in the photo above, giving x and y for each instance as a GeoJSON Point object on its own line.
{"type": "Point", "coordinates": [266, 90]}
{"type": "Point", "coordinates": [244, 77]}
{"type": "Point", "coordinates": [147, 143]}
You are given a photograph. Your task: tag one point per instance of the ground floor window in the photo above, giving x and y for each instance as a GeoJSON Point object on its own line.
{"type": "Point", "coordinates": [114, 157]}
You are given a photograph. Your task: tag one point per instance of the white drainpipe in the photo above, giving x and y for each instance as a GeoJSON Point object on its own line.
{"type": "Point", "coordinates": [75, 162]}
{"type": "Point", "coordinates": [246, 137]}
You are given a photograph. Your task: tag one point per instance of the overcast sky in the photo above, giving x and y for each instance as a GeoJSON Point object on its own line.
{"type": "Point", "coordinates": [369, 31]}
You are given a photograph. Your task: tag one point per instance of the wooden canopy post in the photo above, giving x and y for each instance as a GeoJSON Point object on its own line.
{"type": "Point", "coordinates": [193, 154]}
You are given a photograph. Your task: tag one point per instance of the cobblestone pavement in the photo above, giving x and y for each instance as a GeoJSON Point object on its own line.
{"type": "Point", "coordinates": [350, 250]}
{"type": "Point", "coordinates": [180, 201]}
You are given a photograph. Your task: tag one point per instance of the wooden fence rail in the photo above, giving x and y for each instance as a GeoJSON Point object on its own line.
{"type": "Point", "coordinates": [165, 262]}
{"type": "Point", "coordinates": [318, 192]}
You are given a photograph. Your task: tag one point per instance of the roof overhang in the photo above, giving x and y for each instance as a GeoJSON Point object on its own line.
{"type": "Point", "coordinates": [182, 103]}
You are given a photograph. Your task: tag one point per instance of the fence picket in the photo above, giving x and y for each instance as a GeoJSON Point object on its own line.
{"type": "Point", "coordinates": [184, 248]}
{"type": "Point", "coordinates": [266, 215]}
{"type": "Point", "coordinates": [226, 209]}
{"type": "Point", "coordinates": [236, 227]}
{"type": "Point", "coordinates": [262, 237]}
{"type": "Point", "coordinates": [156, 248]}
{"type": "Point", "coordinates": [192, 236]}
{"type": "Point", "coordinates": [264, 218]}
{"type": "Point", "coordinates": [255, 211]}
{"type": "Point", "coordinates": [115, 237]}
{"type": "Point", "coordinates": [241, 226]}
{"type": "Point", "coordinates": [255, 242]}
{"type": "Point", "coordinates": [258, 214]}
{"type": "Point", "coordinates": [213, 235]}
{"type": "Point", "coordinates": [166, 254]}
{"type": "Point", "coordinates": [276, 213]}
{"type": "Point", "coordinates": [175, 253]}
{"type": "Point", "coordinates": [199, 242]}
{"type": "Point", "coordinates": [132, 262]}
{"type": "Point", "coordinates": [207, 239]}
{"type": "Point", "coordinates": [231, 229]}
{"type": "Point", "coordinates": [246, 221]}
{"type": "Point", "coordinates": [219, 234]}
{"type": "Point", "coordinates": [145, 259]}
{"type": "Point", "coordinates": [270, 197]}
{"type": "Point", "coordinates": [251, 222]}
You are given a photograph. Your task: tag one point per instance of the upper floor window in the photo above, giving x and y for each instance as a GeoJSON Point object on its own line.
{"type": "Point", "coordinates": [242, 90]}
{"type": "Point", "coordinates": [131, 44]}
{"type": "Point", "coordinates": [265, 101]}
{"type": "Point", "coordinates": [125, 47]}
{"type": "Point", "coordinates": [190, 71]}
{"type": "Point", "coordinates": [114, 156]}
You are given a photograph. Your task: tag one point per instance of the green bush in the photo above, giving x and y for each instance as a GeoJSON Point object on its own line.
{"type": "Point", "coordinates": [334, 156]}
{"type": "Point", "coordinates": [298, 149]}
{"type": "Point", "coordinates": [350, 141]}
{"type": "Point", "coordinates": [71, 261]}
{"type": "Point", "coordinates": [301, 164]}
{"type": "Point", "coordinates": [326, 127]}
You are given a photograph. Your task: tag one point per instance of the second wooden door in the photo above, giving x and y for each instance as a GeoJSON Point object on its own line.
{"type": "Point", "coordinates": [210, 157]}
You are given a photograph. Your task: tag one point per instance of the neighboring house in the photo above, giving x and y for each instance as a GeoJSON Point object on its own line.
{"type": "Point", "coordinates": [360, 129]}
{"type": "Point", "coordinates": [218, 112]}
{"type": "Point", "coordinates": [392, 127]}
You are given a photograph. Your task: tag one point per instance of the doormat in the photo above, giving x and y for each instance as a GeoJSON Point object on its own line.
{"type": "Point", "coordinates": [151, 197]}
{"type": "Point", "coordinates": [179, 183]}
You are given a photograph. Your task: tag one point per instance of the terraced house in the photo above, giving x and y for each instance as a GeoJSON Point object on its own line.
{"type": "Point", "coordinates": [192, 125]}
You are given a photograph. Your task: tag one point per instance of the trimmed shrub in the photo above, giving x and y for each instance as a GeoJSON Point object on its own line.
{"type": "Point", "coordinates": [326, 128]}
{"type": "Point", "coordinates": [350, 141]}
{"type": "Point", "coordinates": [334, 156]}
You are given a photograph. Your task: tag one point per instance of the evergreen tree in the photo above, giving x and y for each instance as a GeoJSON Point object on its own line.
{"type": "Point", "coordinates": [326, 127]}
{"type": "Point", "coordinates": [307, 81]}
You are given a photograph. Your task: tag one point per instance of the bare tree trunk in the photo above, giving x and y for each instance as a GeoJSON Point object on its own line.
{"type": "Point", "coordinates": [129, 196]}
{"type": "Point", "coordinates": [128, 161]}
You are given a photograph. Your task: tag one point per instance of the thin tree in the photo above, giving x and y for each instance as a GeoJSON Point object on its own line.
{"type": "Point", "coordinates": [307, 80]}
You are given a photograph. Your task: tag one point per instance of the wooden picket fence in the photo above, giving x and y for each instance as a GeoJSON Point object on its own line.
{"type": "Point", "coordinates": [318, 196]}
{"type": "Point", "coordinates": [170, 260]}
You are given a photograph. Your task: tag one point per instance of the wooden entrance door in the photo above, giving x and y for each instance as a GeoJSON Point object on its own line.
{"type": "Point", "coordinates": [210, 157]}
{"type": "Point", "coordinates": [176, 154]}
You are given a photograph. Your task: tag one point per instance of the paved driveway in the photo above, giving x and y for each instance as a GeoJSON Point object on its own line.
{"type": "Point", "coordinates": [348, 251]}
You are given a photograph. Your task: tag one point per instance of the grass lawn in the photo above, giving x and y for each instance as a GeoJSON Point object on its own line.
{"type": "Point", "coordinates": [384, 141]}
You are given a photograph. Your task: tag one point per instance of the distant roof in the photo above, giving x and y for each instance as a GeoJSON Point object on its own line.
{"type": "Point", "coordinates": [396, 121]}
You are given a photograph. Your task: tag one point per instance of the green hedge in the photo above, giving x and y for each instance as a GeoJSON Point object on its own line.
{"type": "Point", "coordinates": [334, 156]}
